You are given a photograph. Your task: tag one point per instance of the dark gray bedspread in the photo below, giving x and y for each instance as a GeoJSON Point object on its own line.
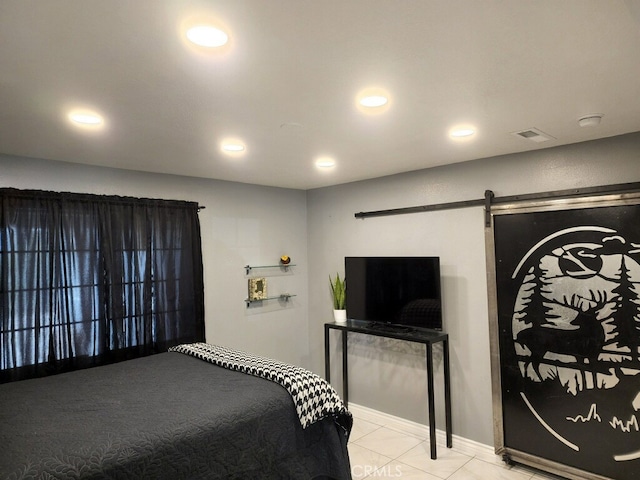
{"type": "Point", "coordinates": [167, 416]}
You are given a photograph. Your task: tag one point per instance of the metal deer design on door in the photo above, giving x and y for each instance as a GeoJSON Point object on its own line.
{"type": "Point", "coordinates": [568, 300]}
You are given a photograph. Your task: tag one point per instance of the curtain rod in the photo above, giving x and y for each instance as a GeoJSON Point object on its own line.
{"type": "Point", "coordinates": [30, 193]}
{"type": "Point", "coordinates": [489, 199]}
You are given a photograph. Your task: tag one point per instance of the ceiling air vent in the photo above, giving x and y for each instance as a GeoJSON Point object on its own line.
{"type": "Point", "coordinates": [533, 135]}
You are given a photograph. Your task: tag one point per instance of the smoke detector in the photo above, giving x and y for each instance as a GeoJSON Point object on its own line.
{"type": "Point", "coordinates": [533, 135]}
{"type": "Point", "coordinates": [592, 120]}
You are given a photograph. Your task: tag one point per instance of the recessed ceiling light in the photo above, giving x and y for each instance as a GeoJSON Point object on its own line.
{"type": "Point", "coordinates": [373, 101]}
{"type": "Point", "coordinates": [230, 147]}
{"type": "Point", "coordinates": [207, 36]}
{"type": "Point", "coordinates": [233, 147]}
{"type": "Point", "coordinates": [462, 132]}
{"type": "Point", "coordinates": [86, 118]}
{"type": "Point", "coordinates": [325, 162]}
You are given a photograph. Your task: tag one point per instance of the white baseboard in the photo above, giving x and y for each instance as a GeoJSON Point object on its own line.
{"type": "Point", "coordinates": [459, 444]}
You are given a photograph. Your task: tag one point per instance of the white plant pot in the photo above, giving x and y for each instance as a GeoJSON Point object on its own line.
{"type": "Point", "coordinates": [340, 316]}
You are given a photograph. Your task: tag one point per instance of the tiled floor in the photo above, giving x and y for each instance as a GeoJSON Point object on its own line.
{"type": "Point", "coordinates": [382, 448]}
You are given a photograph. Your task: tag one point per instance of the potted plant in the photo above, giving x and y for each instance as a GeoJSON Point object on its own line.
{"type": "Point", "coordinates": [339, 294]}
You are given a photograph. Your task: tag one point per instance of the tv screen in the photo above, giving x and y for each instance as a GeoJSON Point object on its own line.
{"type": "Point", "coordinates": [394, 290]}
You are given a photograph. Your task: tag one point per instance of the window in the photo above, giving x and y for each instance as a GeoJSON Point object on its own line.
{"type": "Point", "coordinates": [87, 280]}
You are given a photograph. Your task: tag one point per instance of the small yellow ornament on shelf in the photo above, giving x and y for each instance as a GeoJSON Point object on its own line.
{"type": "Point", "coordinates": [285, 259]}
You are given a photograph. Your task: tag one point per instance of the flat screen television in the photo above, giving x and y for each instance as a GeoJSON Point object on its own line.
{"type": "Point", "coordinates": [396, 291]}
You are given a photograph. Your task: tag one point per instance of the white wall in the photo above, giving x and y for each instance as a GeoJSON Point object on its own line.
{"type": "Point", "coordinates": [388, 375]}
{"type": "Point", "coordinates": [242, 224]}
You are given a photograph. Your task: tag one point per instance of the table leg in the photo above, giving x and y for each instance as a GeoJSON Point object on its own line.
{"type": "Point", "coordinates": [447, 391]}
{"type": "Point", "coordinates": [327, 359]}
{"type": "Point", "coordinates": [432, 410]}
{"type": "Point", "coordinates": [345, 370]}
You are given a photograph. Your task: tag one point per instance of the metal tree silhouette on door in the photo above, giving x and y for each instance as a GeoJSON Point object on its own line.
{"type": "Point", "coordinates": [568, 288]}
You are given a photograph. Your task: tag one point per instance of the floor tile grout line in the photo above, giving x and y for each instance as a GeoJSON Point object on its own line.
{"type": "Point", "coordinates": [398, 459]}
{"type": "Point", "coordinates": [392, 427]}
{"type": "Point", "coordinates": [462, 466]}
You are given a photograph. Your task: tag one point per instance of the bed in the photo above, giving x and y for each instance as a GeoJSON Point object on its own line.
{"type": "Point", "coordinates": [173, 415]}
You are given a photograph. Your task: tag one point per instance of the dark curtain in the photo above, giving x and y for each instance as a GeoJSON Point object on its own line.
{"type": "Point", "coordinates": [87, 280]}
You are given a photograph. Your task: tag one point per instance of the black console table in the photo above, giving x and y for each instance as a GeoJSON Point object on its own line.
{"type": "Point", "coordinates": [413, 334]}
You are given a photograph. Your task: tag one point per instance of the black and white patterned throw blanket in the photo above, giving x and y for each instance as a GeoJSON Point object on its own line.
{"type": "Point", "coordinates": [313, 397]}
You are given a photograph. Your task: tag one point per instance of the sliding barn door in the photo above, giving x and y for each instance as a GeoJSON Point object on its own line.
{"type": "Point", "coordinates": [564, 288]}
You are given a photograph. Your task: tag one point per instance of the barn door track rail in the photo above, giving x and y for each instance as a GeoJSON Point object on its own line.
{"type": "Point", "coordinates": [490, 199]}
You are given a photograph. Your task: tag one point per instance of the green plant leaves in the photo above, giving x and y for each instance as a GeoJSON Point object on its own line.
{"type": "Point", "coordinates": [338, 292]}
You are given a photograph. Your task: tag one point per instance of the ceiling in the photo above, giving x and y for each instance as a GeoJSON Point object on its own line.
{"type": "Point", "coordinates": [286, 82]}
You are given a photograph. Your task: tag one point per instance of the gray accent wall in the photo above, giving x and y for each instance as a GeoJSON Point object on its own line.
{"type": "Point", "coordinates": [389, 375]}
